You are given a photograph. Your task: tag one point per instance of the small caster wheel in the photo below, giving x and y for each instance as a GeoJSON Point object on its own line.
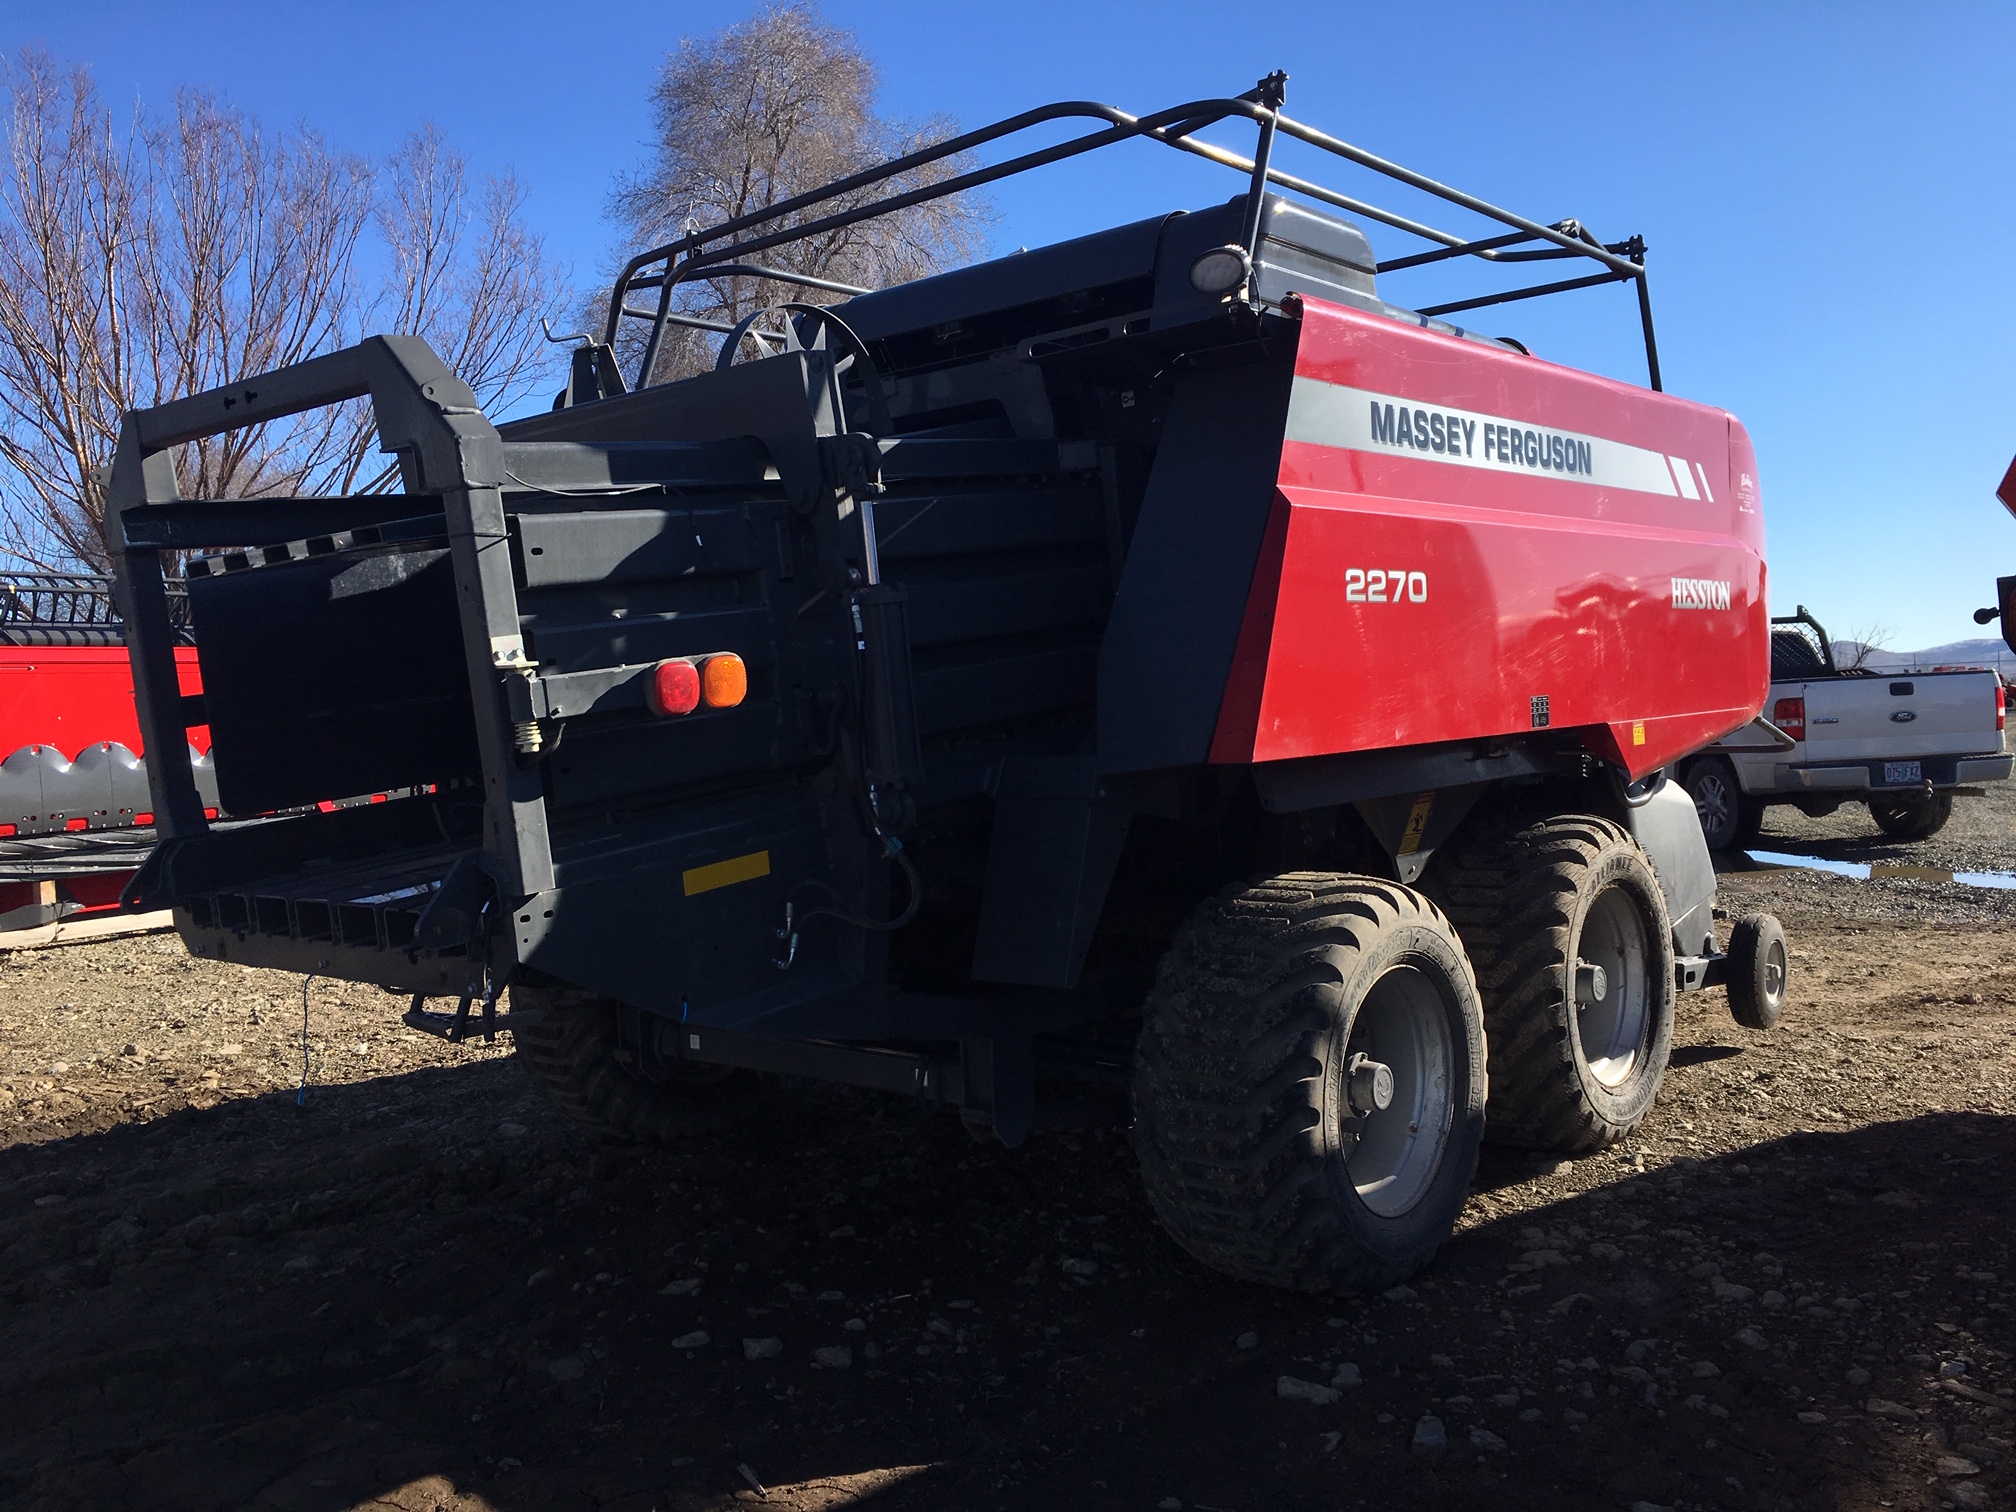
{"type": "Point", "coordinates": [1757, 966]}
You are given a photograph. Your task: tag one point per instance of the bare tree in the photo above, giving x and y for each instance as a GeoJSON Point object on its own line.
{"type": "Point", "coordinates": [1864, 646]}
{"type": "Point", "coordinates": [146, 261]}
{"type": "Point", "coordinates": [766, 110]}
{"type": "Point", "coordinates": [472, 279]}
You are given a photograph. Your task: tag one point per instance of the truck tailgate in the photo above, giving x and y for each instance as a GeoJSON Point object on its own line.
{"type": "Point", "coordinates": [1914, 714]}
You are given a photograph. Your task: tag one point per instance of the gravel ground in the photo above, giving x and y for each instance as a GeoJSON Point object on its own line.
{"type": "Point", "coordinates": [1981, 835]}
{"type": "Point", "coordinates": [420, 1289]}
{"type": "Point", "coordinates": [1979, 838]}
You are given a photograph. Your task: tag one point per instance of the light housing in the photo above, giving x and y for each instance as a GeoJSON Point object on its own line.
{"type": "Point", "coordinates": [1789, 714]}
{"type": "Point", "coordinates": [2001, 705]}
{"type": "Point", "coordinates": [1221, 270]}
{"type": "Point", "coordinates": [724, 681]}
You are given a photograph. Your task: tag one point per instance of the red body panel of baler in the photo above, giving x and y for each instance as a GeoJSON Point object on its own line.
{"type": "Point", "coordinates": [1468, 542]}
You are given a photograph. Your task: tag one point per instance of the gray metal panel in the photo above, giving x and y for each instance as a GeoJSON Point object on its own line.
{"type": "Point", "coordinates": [142, 476]}
{"type": "Point", "coordinates": [572, 466]}
{"type": "Point", "coordinates": [1058, 829]}
{"type": "Point", "coordinates": [1176, 620]}
{"type": "Point", "coordinates": [781, 401]}
{"type": "Point", "coordinates": [1288, 787]}
{"type": "Point", "coordinates": [106, 786]}
{"type": "Point", "coordinates": [635, 545]}
{"type": "Point", "coordinates": [1086, 262]}
{"type": "Point", "coordinates": [1667, 827]}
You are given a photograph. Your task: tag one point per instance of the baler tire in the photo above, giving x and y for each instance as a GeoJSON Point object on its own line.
{"type": "Point", "coordinates": [1759, 963]}
{"type": "Point", "coordinates": [1522, 895]}
{"type": "Point", "coordinates": [1250, 1149]}
{"type": "Point", "coordinates": [1915, 816]}
{"type": "Point", "coordinates": [570, 1050]}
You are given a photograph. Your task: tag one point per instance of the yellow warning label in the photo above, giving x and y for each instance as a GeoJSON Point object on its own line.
{"type": "Point", "coordinates": [1638, 733]}
{"type": "Point", "coordinates": [727, 873]}
{"type": "Point", "coordinates": [1417, 821]}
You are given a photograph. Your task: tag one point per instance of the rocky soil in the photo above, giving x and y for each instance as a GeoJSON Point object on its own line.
{"type": "Point", "coordinates": [417, 1288]}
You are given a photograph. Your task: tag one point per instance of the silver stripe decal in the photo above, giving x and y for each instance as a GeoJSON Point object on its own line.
{"type": "Point", "coordinates": [1334, 414]}
{"type": "Point", "coordinates": [1684, 471]}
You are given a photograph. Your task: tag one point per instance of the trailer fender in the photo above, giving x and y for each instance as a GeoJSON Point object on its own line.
{"type": "Point", "coordinates": [1668, 830]}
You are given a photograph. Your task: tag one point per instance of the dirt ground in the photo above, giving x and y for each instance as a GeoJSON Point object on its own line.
{"type": "Point", "coordinates": [417, 1288]}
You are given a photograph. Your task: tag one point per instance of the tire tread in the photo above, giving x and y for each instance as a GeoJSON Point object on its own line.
{"type": "Point", "coordinates": [1229, 1078]}
{"type": "Point", "coordinates": [1511, 892]}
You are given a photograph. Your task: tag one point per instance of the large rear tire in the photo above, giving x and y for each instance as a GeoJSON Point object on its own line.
{"type": "Point", "coordinates": [1309, 1083]}
{"type": "Point", "coordinates": [1577, 1054]}
{"type": "Point", "coordinates": [572, 1050]}
{"type": "Point", "coordinates": [1917, 816]}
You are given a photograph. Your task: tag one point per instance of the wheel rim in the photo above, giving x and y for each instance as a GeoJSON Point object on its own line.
{"type": "Point", "coordinates": [1403, 1023]}
{"type": "Point", "coordinates": [1774, 973]}
{"type": "Point", "coordinates": [1713, 802]}
{"type": "Point", "coordinates": [1610, 1027]}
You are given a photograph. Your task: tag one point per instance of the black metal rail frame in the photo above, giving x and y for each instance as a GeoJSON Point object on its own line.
{"type": "Point", "coordinates": [715, 250]}
{"type": "Point", "coordinates": [73, 600]}
{"type": "Point", "coordinates": [453, 462]}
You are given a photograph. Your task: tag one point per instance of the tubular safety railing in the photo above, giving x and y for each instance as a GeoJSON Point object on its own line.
{"type": "Point", "coordinates": [724, 249]}
{"type": "Point", "coordinates": [73, 601]}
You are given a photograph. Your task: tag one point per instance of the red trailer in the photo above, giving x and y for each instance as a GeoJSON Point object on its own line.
{"type": "Point", "coordinates": [75, 818]}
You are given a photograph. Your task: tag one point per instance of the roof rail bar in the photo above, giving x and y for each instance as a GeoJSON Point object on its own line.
{"type": "Point", "coordinates": [726, 247]}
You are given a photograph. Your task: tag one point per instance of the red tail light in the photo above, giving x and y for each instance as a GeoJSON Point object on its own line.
{"type": "Point", "coordinates": [680, 686]}
{"type": "Point", "coordinates": [674, 688]}
{"type": "Point", "coordinates": [2001, 707]}
{"type": "Point", "coordinates": [1789, 714]}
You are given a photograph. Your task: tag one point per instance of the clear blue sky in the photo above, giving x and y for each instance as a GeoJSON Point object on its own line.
{"type": "Point", "coordinates": [1828, 190]}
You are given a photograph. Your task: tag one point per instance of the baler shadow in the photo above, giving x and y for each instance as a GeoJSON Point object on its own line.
{"type": "Point", "coordinates": [389, 1298]}
{"type": "Point", "coordinates": [1701, 1055]}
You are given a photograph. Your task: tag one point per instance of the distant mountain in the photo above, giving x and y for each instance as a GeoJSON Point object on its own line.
{"type": "Point", "coordinates": [1984, 652]}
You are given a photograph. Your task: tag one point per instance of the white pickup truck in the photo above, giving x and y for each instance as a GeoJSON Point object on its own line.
{"type": "Point", "coordinates": [1905, 743]}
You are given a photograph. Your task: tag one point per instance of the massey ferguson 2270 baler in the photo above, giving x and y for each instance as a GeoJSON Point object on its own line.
{"type": "Point", "coordinates": [1149, 662]}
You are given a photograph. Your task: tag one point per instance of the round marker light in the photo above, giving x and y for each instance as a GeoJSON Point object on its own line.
{"type": "Point", "coordinates": [1221, 270]}
{"type": "Point", "coordinates": [673, 688]}
{"type": "Point", "coordinates": [724, 681]}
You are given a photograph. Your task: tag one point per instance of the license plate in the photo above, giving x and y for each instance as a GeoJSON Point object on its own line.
{"type": "Point", "coordinates": [1903, 771]}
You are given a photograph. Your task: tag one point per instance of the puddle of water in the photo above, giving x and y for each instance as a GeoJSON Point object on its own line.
{"type": "Point", "coordinates": [1862, 871]}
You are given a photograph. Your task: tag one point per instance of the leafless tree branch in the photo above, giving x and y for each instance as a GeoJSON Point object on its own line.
{"type": "Point", "coordinates": [146, 261]}
{"type": "Point", "coordinates": [768, 109]}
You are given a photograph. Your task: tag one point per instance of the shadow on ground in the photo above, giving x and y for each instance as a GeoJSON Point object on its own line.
{"type": "Point", "coordinates": [426, 1292]}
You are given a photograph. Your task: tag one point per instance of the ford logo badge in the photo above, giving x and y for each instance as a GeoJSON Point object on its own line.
{"type": "Point", "coordinates": [1902, 716]}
